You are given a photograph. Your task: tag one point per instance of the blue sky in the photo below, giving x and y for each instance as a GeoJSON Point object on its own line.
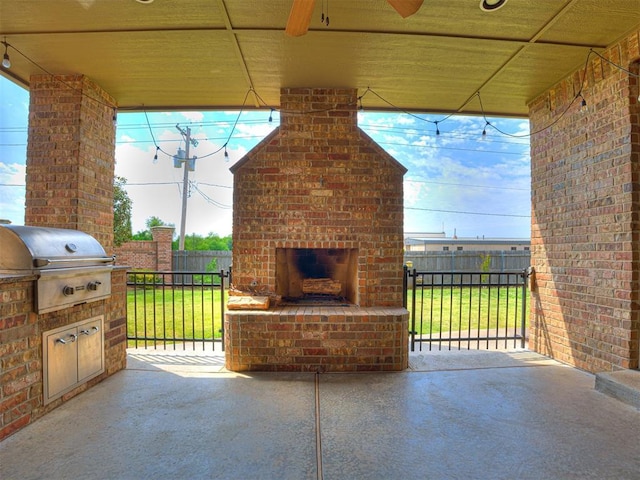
{"type": "Point", "coordinates": [457, 181]}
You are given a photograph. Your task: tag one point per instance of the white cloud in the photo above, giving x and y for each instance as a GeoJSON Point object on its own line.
{"type": "Point", "coordinates": [12, 192]}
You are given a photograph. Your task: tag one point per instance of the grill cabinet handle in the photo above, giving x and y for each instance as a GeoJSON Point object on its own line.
{"type": "Point", "coordinates": [73, 337]}
{"type": "Point", "coordinates": [94, 329]}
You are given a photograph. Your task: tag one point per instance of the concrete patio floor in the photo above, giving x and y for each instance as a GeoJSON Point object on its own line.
{"type": "Point", "coordinates": [452, 415]}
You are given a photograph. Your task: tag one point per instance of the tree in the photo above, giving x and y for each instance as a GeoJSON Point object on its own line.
{"type": "Point", "coordinates": [156, 222]}
{"type": "Point", "coordinates": [210, 242]}
{"type": "Point", "coordinates": [121, 212]}
{"type": "Point", "coordinates": [150, 222]}
{"type": "Point", "coordinates": [485, 266]}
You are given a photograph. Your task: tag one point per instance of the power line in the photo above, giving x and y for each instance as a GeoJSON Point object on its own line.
{"type": "Point", "coordinates": [467, 213]}
{"type": "Point", "coordinates": [468, 185]}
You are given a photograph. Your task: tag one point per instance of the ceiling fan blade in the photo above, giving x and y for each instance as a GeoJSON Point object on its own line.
{"type": "Point", "coordinates": [406, 8]}
{"type": "Point", "coordinates": [300, 17]}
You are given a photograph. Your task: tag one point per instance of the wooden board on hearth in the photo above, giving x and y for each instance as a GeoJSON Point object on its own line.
{"type": "Point", "coordinates": [321, 286]}
{"type": "Point", "coordinates": [246, 302]}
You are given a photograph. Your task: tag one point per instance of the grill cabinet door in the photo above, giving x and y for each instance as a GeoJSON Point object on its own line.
{"type": "Point", "coordinates": [61, 360]}
{"type": "Point", "coordinates": [72, 354]}
{"type": "Point", "coordinates": [90, 352]}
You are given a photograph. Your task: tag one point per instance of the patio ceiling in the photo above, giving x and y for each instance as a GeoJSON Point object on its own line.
{"type": "Point", "coordinates": [207, 54]}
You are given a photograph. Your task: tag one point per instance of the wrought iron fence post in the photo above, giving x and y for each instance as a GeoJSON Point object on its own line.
{"type": "Point", "coordinates": [413, 310]}
{"type": "Point", "coordinates": [222, 277]}
{"type": "Point", "coordinates": [525, 281]}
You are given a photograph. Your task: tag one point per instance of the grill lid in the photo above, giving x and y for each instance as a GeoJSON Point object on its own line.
{"type": "Point", "coordinates": [25, 248]}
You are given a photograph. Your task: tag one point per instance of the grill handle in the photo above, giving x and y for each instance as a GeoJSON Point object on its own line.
{"type": "Point", "coordinates": [43, 262]}
{"type": "Point", "coordinates": [72, 338]}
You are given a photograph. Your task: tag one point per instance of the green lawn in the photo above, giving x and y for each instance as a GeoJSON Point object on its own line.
{"type": "Point", "coordinates": [196, 314]}
{"type": "Point", "coordinates": [444, 309]}
{"type": "Point", "coordinates": [174, 314]}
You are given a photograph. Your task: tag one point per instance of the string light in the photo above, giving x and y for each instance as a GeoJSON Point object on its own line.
{"type": "Point", "coordinates": [484, 130]}
{"type": "Point", "coordinates": [6, 62]}
{"type": "Point", "coordinates": [583, 103]}
{"type": "Point", "coordinates": [325, 18]}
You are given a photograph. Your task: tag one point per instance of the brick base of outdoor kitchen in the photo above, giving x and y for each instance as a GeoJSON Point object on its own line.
{"type": "Point", "coordinates": [317, 338]}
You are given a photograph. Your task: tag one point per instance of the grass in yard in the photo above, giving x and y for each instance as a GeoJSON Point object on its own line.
{"type": "Point", "coordinates": [468, 309]}
{"type": "Point", "coordinates": [196, 314]}
{"type": "Point", "coordinates": [174, 315]}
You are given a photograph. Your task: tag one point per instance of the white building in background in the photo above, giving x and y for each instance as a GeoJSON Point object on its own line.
{"type": "Point", "coordinates": [439, 242]}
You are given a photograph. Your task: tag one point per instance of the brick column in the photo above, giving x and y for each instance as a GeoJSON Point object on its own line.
{"type": "Point", "coordinates": [71, 156]}
{"type": "Point", "coordinates": [163, 236]}
{"type": "Point", "coordinates": [585, 166]}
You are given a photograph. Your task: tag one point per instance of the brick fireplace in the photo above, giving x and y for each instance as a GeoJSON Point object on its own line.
{"type": "Point", "coordinates": [318, 228]}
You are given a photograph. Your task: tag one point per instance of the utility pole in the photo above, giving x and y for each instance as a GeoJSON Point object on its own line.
{"type": "Point", "coordinates": [183, 157]}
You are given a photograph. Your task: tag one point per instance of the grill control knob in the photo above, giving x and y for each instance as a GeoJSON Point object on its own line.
{"type": "Point", "coordinates": [67, 290]}
{"type": "Point", "coordinates": [93, 286]}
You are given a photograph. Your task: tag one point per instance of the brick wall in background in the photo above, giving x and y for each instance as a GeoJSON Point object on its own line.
{"type": "Point", "coordinates": [153, 254]}
{"type": "Point", "coordinates": [585, 219]}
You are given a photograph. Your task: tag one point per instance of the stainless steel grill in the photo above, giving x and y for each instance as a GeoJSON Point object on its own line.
{"type": "Point", "coordinates": [72, 267]}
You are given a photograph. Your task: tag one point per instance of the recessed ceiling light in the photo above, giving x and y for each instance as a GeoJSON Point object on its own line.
{"type": "Point", "coordinates": [491, 5]}
{"type": "Point", "coordinates": [144, 1]}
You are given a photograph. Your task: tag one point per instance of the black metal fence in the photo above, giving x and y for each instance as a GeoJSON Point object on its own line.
{"type": "Point", "coordinates": [176, 310]}
{"type": "Point", "coordinates": [466, 310]}
{"type": "Point", "coordinates": [453, 310]}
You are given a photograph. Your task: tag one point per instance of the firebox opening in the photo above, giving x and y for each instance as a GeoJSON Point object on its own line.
{"type": "Point", "coordinates": [317, 275]}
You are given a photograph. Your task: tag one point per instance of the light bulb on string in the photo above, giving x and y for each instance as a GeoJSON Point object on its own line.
{"type": "Point", "coordinates": [583, 102]}
{"type": "Point", "coordinates": [437, 129]}
{"type": "Point", "coordinates": [6, 62]}
{"type": "Point", "coordinates": [484, 130]}
{"type": "Point", "coordinates": [271, 116]}
{"type": "Point", "coordinates": [155, 157]}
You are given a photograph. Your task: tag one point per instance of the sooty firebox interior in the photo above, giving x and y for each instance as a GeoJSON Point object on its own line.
{"type": "Point", "coordinates": [317, 275]}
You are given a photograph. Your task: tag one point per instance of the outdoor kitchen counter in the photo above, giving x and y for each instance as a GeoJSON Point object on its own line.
{"type": "Point", "coordinates": [13, 277]}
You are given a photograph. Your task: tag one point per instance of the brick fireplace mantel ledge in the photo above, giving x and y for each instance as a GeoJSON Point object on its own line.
{"type": "Point", "coordinates": [317, 338]}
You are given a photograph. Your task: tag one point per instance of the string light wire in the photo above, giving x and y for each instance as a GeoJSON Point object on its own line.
{"type": "Point", "coordinates": [358, 104]}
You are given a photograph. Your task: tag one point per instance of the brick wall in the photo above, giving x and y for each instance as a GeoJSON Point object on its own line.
{"type": "Point", "coordinates": [70, 156]}
{"type": "Point", "coordinates": [141, 254]}
{"type": "Point", "coordinates": [154, 254]}
{"type": "Point", "coordinates": [320, 182]}
{"type": "Point", "coordinates": [20, 356]}
{"type": "Point", "coordinates": [585, 218]}
{"type": "Point", "coordinates": [331, 339]}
